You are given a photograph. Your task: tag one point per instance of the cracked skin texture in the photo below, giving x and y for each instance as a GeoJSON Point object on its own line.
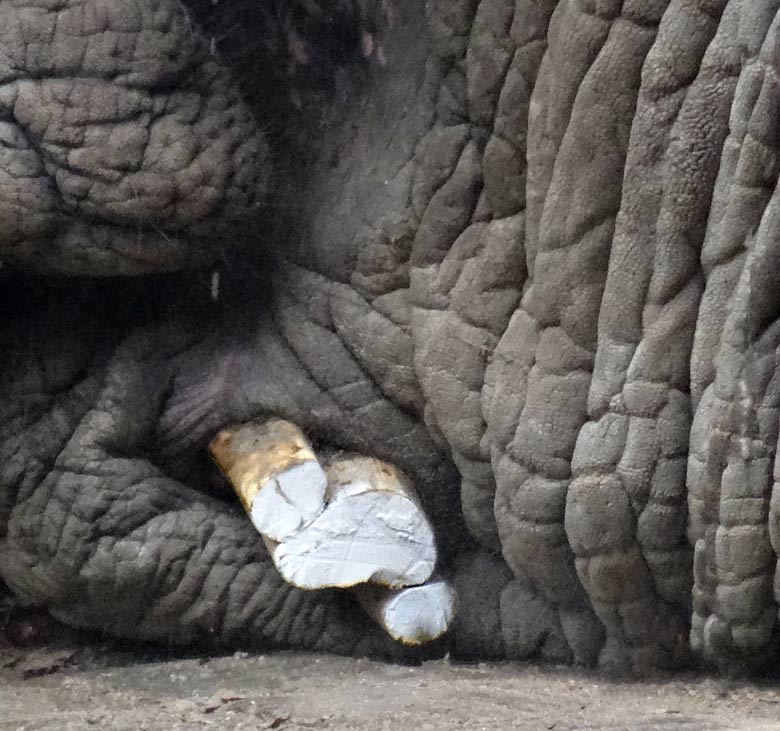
{"type": "Point", "coordinates": [530, 261]}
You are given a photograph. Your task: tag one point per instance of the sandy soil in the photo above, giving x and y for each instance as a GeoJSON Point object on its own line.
{"type": "Point", "coordinates": [100, 687]}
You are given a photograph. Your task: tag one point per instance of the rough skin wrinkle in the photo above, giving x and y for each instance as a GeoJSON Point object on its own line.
{"type": "Point", "coordinates": [523, 250]}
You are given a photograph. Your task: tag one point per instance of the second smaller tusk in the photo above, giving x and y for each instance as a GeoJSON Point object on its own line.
{"type": "Point", "coordinates": [413, 615]}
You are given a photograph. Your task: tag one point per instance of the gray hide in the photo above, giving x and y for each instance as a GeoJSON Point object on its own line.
{"type": "Point", "coordinates": [529, 259]}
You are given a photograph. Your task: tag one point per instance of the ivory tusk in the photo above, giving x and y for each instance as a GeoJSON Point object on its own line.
{"type": "Point", "coordinates": [372, 530]}
{"type": "Point", "coordinates": [275, 474]}
{"type": "Point", "coordinates": [413, 615]}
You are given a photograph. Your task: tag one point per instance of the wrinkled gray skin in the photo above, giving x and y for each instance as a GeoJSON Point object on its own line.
{"type": "Point", "coordinates": [531, 260]}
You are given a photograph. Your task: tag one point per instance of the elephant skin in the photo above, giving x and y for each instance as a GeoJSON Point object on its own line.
{"type": "Point", "coordinates": [523, 249]}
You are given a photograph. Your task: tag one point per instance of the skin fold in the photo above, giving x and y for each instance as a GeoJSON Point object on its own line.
{"type": "Point", "coordinates": [523, 250]}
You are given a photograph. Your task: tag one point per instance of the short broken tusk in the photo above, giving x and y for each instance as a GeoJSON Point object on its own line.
{"type": "Point", "coordinates": [356, 524]}
{"type": "Point", "coordinates": [413, 615]}
{"type": "Point", "coordinates": [275, 474]}
{"type": "Point", "coordinates": [372, 530]}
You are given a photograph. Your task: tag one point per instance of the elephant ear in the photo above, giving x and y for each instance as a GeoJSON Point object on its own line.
{"type": "Point", "coordinates": [124, 146]}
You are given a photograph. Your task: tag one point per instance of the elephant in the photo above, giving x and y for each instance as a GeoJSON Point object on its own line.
{"type": "Point", "coordinates": [521, 249]}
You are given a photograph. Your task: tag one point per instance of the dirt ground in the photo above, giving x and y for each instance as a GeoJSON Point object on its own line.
{"type": "Point", "coordinates": [96, 686]}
